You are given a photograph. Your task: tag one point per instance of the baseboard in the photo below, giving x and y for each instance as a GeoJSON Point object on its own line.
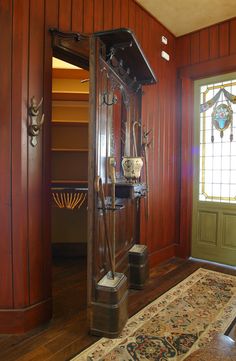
{"type": "Point", "coordinates": [181, 251]}
{"type": "Point", "coordinates": [18, 321]}
{"type": "Point", "coordinates": [162, 255]}
{"type": "Point", "coordinates": [69, 250]}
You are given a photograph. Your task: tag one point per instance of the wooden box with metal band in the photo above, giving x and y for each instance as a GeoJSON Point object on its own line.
{"type": "Point", "coordinates": [138, 266]}
{"type": "Point", "coordinates": [110, 310]}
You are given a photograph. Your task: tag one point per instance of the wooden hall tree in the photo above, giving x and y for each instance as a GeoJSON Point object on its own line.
{"type": "Point", "coordinates": [114, 139]}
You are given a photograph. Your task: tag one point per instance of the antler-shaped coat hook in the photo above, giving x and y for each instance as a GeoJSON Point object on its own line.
{"type": "Point", "coordinates": [35, 124]}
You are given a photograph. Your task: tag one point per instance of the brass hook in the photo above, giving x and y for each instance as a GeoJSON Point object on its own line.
{"type": "Point", "coordinates": [35, 124]}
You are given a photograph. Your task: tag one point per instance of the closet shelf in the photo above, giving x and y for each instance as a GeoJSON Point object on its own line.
{"type": "Point", "coordinates": [70, 104]}
{"type": "Point", "coordinates": [78, 73]}
{"type": "Point", "coordinates": [70, 122]}
{"type": "Point", "coordinates": [64, 181]}
{"type": "Point", "coordinates": [66, 150]}
{"type": "Point", "coordinates": [70, 96]}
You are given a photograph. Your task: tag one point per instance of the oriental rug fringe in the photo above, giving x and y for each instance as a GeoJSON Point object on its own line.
{"type": "Point", "coordinates": [177, 323]}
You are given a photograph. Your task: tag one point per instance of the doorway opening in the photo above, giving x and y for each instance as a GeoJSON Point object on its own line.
{"type": "Point", "coordinates": [214, 196]}
{"type": "Point", "coordinates": [69, 186]}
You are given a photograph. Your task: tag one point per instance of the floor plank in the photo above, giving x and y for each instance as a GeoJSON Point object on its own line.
{"type": "Point", "coordinates": [68, 332]}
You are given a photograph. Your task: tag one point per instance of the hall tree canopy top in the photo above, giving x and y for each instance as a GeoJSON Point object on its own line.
{"type": "Point", "coordinates": [120, 41]}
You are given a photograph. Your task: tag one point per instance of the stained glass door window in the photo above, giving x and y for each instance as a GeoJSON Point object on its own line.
{"type": "Point", "coordinates": [217, 168]}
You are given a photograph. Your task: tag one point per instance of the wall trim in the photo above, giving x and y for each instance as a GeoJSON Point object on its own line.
{"type": "Point", "coordinates": [187, 74]}
{"type": "Point", "coordinates": [162, 255]}
{"type": "Point", "coordinates": [16, 321]}
{"type": "Point", "coordinates": [209, 68]}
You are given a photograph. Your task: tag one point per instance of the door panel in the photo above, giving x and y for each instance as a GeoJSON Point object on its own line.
{"type": "Point", "coordinates": [214, 199]}
{"type": "Point", "coordinates": [229, 231]}
{"type": "Point", "coordinates": [207, 227]}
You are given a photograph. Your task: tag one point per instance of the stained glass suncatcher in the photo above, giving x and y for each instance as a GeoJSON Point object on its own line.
{"type": "Point", "coordinates": [222, 117]}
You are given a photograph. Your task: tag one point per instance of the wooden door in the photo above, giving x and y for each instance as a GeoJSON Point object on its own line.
{"type": "Point", "coordinates": [214, 200]}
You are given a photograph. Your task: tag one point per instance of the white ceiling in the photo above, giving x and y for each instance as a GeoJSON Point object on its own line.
{"type": "Point", "coordinates": [184, 16]}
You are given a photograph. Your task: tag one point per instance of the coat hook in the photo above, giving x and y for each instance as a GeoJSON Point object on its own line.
{"type": "Point", "coordinates": [107, 100]}
{"type": "Point", "coordinates": [35, 123]}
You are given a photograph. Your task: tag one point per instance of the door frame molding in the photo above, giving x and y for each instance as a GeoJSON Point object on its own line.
{"type": "Point", "coordinates": [199, 205]}
{"type": "Point", "coordinates": [186, 76]}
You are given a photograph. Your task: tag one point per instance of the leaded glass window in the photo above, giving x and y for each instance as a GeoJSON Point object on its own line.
{"type": "Point", "coordinates": [217, 174]}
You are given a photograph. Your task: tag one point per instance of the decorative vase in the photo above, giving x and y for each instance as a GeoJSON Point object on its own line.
{"type": "Point", "coordinates": [132, 168]}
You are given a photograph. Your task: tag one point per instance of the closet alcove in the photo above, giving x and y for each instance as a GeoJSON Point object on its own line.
{"type": "Point", "coordinates": [69, 159]}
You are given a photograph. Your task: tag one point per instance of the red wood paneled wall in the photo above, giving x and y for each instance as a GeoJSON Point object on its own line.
{"type": "Point", "coordinates": [204, 53]}
{"type": "Point", "coordinates": [25, 71]}
{"type": "Point", "coordinates": [215, 42]}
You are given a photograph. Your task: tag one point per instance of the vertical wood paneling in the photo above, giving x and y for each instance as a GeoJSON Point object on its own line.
{"type": "Point", "coordinates": [173, 159]}
{"type": "Point", "coordinates": [224, 39]}
{"type": "Point", "coordinates": [116, 14]}
{"type": "Point", "coordinates": [77, 20]}
{"type": "Point", "coordinates": [162, 174]}
{"type": "Point", "coordinates": [214, 41]}
{"type": "Point", "coordinates": [6, 294]}
{"type": "Point", "coordinates": [164, 152]}
{"type": "Point", "coordinates": [51, 20]}
{"type": "Point", "coordinates": [210, 43]}
{"type": "Point", "coordinates": [186, 167]}
{"type": "Point", "coordinates": [170, 234]}
{"type": "Point", "coordinates": [232, 36]}
{"type": "Point", "coordinates": [88, 16]}
{"type": "Point", "coordinates": [108, 14]}
{"type": "Point", "coordinates": [154, 173]}
{"type": "Point", "coordinates": [159, 116]}
{"type": "Point", "coordinates": [150, 106]}
{"type": "Point", "coordinates": [183, 50]}
{"type": "Point", "coordinates": [204, 45]}
{"type": "Point", "coordinates": [98, 15]}
{"type": "Point", "coordinates": [151, 55]}
{"type": "Point", "coordinates": [145, 34]}
{"type": "Point", "coordinates": [36, 57]}
{"type": "Point", "coordinates": [195, 48]}
{"type": "Point", "coordinates": [131, 15]}
{"type": "Point", "coordinates": [65, 17]}
{"type": "Point", "coordinates": [124, 10]}
{"type": "Point", "coordinates": [139, 23]}
{"type": "Point", "coordinates": [19, 153]}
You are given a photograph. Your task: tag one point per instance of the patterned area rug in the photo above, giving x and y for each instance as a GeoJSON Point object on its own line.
{"type": "Point", "coordinates": [180, 321]}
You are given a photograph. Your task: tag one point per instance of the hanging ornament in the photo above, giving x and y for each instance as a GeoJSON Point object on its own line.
{"type": "Point", "coordinates": [222, 118]}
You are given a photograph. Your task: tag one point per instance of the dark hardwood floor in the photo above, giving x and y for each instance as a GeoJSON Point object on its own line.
{"type": "Point", "coordinates": [67, 334]}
